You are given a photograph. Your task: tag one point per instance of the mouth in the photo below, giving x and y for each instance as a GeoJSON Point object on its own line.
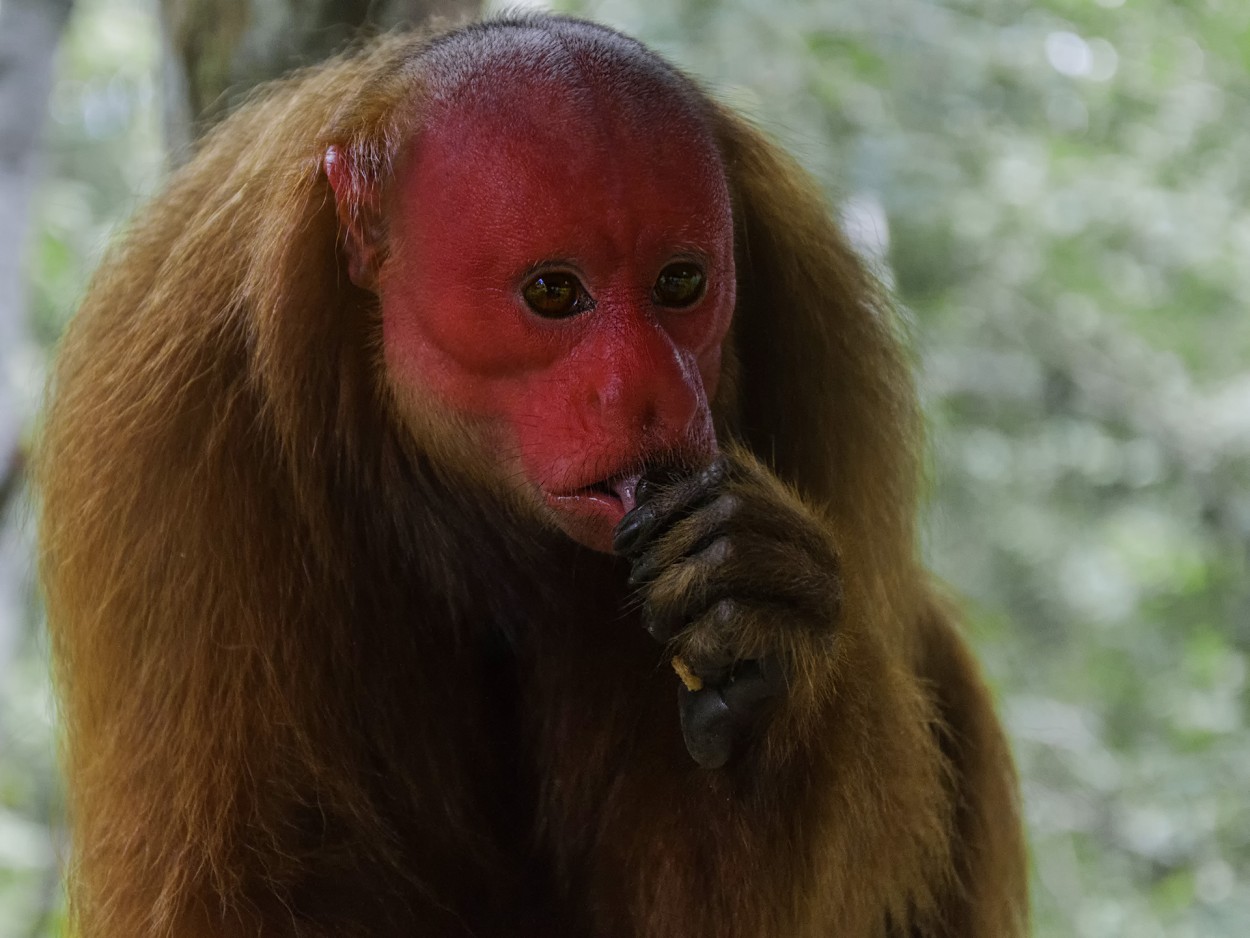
{"type": "Point", "coordinates": [620, 488]}
{"type": "Point", "coordinates": [591, 513]}
{"type": "Point", "coordinates": [618, 491]}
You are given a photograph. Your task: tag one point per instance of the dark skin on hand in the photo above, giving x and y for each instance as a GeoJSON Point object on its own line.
{"type": "Point", "coordinates": [723, 558]}
{"type": "Point", "coordinates": [478, 499]}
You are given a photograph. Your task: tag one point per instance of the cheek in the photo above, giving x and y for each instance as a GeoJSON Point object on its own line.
{"type": "Point", "coordinates": [554, 421]}
{"type": "Point", "coordinates": [465, 344]}
{"type": "Point", "coordinates": [703, 340]}
{"type": "Point", "coordinates": [516, 391]}
{"type": "Point", "coordinates": [709, 364]}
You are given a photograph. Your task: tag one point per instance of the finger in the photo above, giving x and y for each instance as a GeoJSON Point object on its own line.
{"type": "Point", "coordinates": [664, 504]}
{"type": "Point", "coordinates": [685, 590]}
{"type": "Point", "coordinates": [691, 535]}
{"type": "Point", "coordinates": [766, 585]}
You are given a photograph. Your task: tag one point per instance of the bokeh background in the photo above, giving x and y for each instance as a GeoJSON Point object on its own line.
{"type": "Point", "coordinates": [1058, 193]}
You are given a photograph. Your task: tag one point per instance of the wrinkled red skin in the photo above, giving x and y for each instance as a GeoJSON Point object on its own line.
{"type": "Point", "coordinates": [543, 176]}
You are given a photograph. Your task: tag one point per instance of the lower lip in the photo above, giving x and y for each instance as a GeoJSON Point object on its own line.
{"type": "Point", "coordinates": [588, 517]}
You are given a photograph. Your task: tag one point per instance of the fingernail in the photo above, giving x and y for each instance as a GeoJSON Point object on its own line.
{"type": "Point", "coordinates": [643, 571]}
{"type": "Point", "coordinates": [627, 532]}
{"type": "Point", "coordinates": [714, 474]}
{"type": "Point", "coordinates": [657, 629]}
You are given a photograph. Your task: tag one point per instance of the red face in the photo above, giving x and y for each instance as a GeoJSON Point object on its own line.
{"type": "Point", "coordinates": [561, 273]}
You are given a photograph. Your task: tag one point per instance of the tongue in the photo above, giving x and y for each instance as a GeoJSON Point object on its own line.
{"type": "Point", "coordinates": [625, 487]}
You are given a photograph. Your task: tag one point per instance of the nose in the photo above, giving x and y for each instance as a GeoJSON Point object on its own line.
{"type": "Point", "coordinates": [650, 388]}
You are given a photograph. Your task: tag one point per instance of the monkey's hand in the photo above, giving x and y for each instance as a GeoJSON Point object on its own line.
{"type": "Point", "coordinates": [739, 577]}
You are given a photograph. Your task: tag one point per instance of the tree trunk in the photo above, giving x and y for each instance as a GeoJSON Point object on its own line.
{"type": "Point", "coordinates": [216, 50]}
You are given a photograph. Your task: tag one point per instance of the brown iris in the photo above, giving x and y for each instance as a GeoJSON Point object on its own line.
{"type": "Point", "coordinates": [556, 295]}
{"type": "Point", "coordinates": [679, 285]}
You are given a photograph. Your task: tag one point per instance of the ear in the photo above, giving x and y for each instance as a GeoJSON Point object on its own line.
{"type": "Point", "coordinates": [358, 202]}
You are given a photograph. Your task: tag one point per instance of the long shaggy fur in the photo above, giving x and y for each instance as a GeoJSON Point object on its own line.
{"type": "Point", "coordinates": [319, 678]}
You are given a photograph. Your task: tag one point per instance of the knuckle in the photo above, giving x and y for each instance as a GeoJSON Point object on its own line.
{"type": "Point", "coordinates": [720, 552]}
{"type": "Point", "coordinates": [725, 507]}
{"type": "Point", "coordinates": [724, 613]}
{"type": "Point", "coordinates": [675, 586]}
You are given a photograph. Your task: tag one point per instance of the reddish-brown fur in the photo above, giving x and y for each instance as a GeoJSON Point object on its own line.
{"type": "Point", "coordinates": [322, 675]}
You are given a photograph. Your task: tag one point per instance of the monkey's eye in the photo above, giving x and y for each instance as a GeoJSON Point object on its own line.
{"type": "Point", "coordinates": [556, 295]}
{"type": "Point", "coordinates": [678, 285]}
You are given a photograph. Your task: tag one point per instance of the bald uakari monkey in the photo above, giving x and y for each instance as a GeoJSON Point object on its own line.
{"type": "Point", "coordinates": [478, 499]}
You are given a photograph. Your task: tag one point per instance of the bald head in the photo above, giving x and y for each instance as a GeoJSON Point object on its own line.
{"type": "Point", "coordinates": [560, 269]}
{"type": "Point", "coordinates": [554, 52]}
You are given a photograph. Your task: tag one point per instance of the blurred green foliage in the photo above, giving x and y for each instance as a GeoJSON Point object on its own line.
{"type": "Point", "coordinates": [103, 152]}
{"type": "Point", "coordinates": [1058, 193]}
{"type": "Point", "coordinates": [103, 149]}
